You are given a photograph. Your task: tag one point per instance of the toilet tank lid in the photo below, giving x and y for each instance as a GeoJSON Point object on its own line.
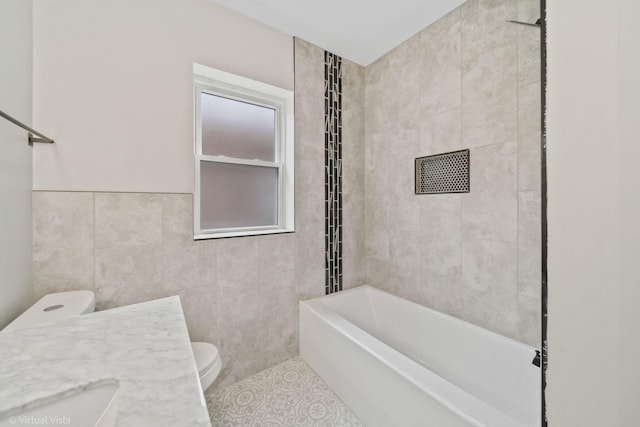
{"type": "Point", "coordinates": [55, 307]}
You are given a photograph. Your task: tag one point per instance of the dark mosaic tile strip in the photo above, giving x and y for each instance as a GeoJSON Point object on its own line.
{"type": "Point", "coordinates": [333, 171]}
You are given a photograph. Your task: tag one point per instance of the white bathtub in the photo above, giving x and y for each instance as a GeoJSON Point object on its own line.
{"type": "Point", "coordinates": [397, 363]}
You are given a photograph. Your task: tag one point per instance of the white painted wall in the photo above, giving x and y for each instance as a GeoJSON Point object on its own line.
{"type": "Point", "coordinates": [593, 143]}
{"type": "Point", "coordinates": [112, 84]}
{"type": "Point", "coordinates": [629, 125]}
{"type": "Point", "coordinates": [15, 159]}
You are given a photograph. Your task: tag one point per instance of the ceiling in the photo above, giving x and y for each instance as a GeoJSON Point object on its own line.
{"type": "Point", "coordinates": [358, 30]}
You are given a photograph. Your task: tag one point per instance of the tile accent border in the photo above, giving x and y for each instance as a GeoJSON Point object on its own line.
{"type": "Point", "coordinates": [333, 171]}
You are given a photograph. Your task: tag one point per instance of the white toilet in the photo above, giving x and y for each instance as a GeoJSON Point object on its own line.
{"type": "Point", "coordinates": [53, 308]}
{"type": "Point", "coordinates": [62, 305]}
{"type": "Point", "coordinates": [208, 362]}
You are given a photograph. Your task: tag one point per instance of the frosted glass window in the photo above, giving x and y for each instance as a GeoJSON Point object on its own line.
{"type": "Point", "coordinates": [243, 156]}
{"type": "Point", "coordinates": [238, 195]}
{"type": "Point", "coordinates": [237, 129]}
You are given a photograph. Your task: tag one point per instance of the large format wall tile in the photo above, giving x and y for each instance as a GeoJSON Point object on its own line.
{"type": "Point", "coordinates": [489, 97]}
{"type": "Point", "coordinates": [377, 91]}
{"type": "Point", "coordinates": [188, 266]}
{"type": "Point", "coordinates": [309, 259]}
{"type": "Point", "coordinates": [377, 274]}
{"type": "Point", "coordinates": [490, 209]}
{"type": "Point", "coordinates": [377, 166]}
{"type": "Point", "coordinates": [309, 98]}
{"type": "Point", "coordinates": [444, 291]}
{"type": "Point", "coordinates": [529, 108]}
{"type": "Point", "coordinates": [441, 133]}
{"type": "Point", "coordinates": [200, 307]}
{"type": "Point", "coordinates": [494, 169]}
{"type": "Point", "coordinates": [529, 161]}
{"type": "Point", "coordinates": [279, 316]}
{"type": "Point", "coordinates": [404, 266]}
{"type": "Point", "coordinates": [239, 261]}
{"type": "Point", "coordinates": [377, 245]}
{"type": "Point", "coordinates": [310, 192]}
{"type": "Point", "coordinates": [63, 236]}
{"type": "Point", "coordinates": [478, 84]}
{"type": "Point", "coordinates": [257, 318]}
{"type": "Point", "coordinates": [353, 175]}
{"type": "Point", "coordinates": [405, 67]}
{"type": "Point", "coordinates": [62, 269]}
{"type": "Point", "coordinates": [239, 305]}
{"type": "Point", "coordinates": [439, 83]}
{"type": "Point", "coordinates": [493, 217]}
{"type": "Point", "coordinates": [177, 218]}
{"type": "Point", "coordinates": [441, 234]}
{"type": "Point", "coordinates": [485, 27]}
{"type": "Point", "coordinates": [62, 220]}
{"type": "Point", "coordinates": [529, 243]}
{"type": "Point", "coordinates": [128, 219]}
{"type": "Point", "coordinates": [441, 252]}
{"type": "Point", "coordinates": [309, 205]}
{"type": "Point", "coordinates": [276, 253]}
{"type": "Point", "coordinates": [404, 148]}
{"type": "Point", "coordinates": [528, 42]}
{"type": "Point", "coordinates": [239, 294]}
{"type": "Point", "coordinates": [529, 315]}
{"type": "Point", "coordinates": [529, 130]}
{"type": "Point", "coordinates": [490, 289]}
{"type": "Point", "coordinates": [309, 137]}
{"type": "Point", "coordinates": [127, 275]}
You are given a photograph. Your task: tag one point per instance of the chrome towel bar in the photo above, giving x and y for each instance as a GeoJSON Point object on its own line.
{"type": "Point", "coordinates": [32, 139]}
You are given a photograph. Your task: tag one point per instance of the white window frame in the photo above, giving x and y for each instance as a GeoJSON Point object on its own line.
{"type": "Point", "coordinates": [216, 82]}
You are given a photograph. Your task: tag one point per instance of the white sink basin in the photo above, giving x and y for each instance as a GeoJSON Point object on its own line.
{"type": "Point", "coordinates": [93, 405]}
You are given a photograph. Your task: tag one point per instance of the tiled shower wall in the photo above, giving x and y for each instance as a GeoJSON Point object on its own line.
{"type": "Point", "coordinates": [470, 80]}
{"type": "Point", "coordinates": [239, 293]}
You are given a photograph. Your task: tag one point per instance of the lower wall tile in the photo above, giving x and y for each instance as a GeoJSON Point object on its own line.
{"type": "Point", "coordinates": [177, 218]}
{"type": "Point", "coordinates": [530, 313]}
{"type": "Point", "coordinates": [279, 312]}
{"type": "Point", "coordinates": [443, 290]}
{"type": "Point", "coordinates": [490, 291]}
{"type": "Point", "coordinates": [529, 161]}
{"type": "Point", "coordinates": [529, 243]}
{"type": "Point", "coordinates": [127, 219]}
{"type": "Point", "coordinates": [62, 220]}
{"type": "Point", "coordinates": [309, 264]}
{"type": "Point", "coordinates": [404, 266]}
{"type": "Point", "coordinates": [492, 217]}
{"type": "Point", "coordinates": [56, 269]}
{"type": "Point", "coordinates": [200, 307]}
{"type": "Point", "coordinates": [378, 273]}
{"type": "Point", "coordinates": [127, 275]}
{"type": "Point", "coordinates": [240, 294]}
{"type": "Point", "coordinates": [188, 265]}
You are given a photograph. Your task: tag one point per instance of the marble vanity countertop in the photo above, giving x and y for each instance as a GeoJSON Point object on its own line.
{"type": "Point", "coordinates": [145, 347]}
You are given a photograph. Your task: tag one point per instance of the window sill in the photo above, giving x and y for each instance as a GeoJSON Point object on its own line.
{"type": "Point", "coordinates": [241, 233]}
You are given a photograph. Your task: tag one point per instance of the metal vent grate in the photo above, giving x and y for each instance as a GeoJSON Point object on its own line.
{"type": "Point", "coordinates": [443, 173]}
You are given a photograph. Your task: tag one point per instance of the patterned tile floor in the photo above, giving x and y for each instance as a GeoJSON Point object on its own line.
{"type": "Point", "coordinates": [288, 394]}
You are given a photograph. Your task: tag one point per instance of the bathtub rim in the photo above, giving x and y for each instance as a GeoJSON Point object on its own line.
{"type": "Point", "coordinates": [457, 320]}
